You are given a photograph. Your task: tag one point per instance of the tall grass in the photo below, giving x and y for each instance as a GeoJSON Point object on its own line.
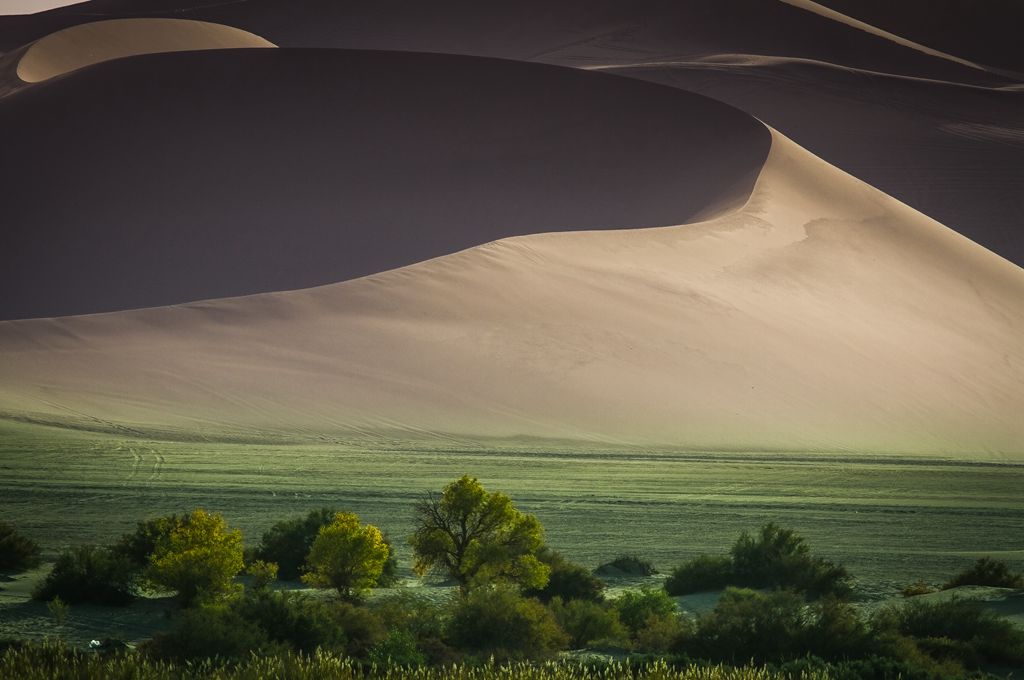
{"type": "Point", "coordinates": [51, 661]}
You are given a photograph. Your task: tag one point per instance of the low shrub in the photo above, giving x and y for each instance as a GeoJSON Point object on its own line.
{"type": "Point", "coordinates": [637, 607]}
{"type": "Point", "coordinates": [211, 630]}
{"type": "Point", "coordinates": [417, 615]}
{"type": "Point", "coordinates": [987, 572]}
{"type": "Point", "coordinates": [399, 648]}
{"type": "Point", "coordinates": [780, 558]}
{"type": "Point", "coordinates": [589, 623]}
{"type": "Point", "coordinates": [918, 588]}
{"type": "Point", "coordinates": [292, 619]}
{"type": "Point", "coordinates": [567, 580]}
{"type": "Point", "coordinates": [89, 574]}
{"type": "Point", "coordinates": [699, 575]}
{"type": "Point", "coordinates": [626, 565]}
{"type": "Point", "coordinates": [17, 551]}
{"type": "Point", "coordinates": [501, 623]}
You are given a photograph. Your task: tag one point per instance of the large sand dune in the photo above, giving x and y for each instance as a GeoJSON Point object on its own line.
{"type": "Point", "coordinates": [889, 134]}
{"type": "Point", "coordinates": [821, 315]}
{"type": "Point", "coordinates": [167, 178]}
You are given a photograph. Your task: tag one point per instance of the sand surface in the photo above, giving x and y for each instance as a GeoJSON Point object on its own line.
{"type": "Point", "coordinates": [822, 315]}
{"type": "Point", "coordinates": [86, 44]}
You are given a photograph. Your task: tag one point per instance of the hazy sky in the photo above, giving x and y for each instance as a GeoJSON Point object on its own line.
{"type": "Point", "coordinates": [29, 6]}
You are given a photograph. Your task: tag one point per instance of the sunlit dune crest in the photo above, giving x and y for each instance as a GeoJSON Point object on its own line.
{"type": "Point", "coordinates": [86, 44]}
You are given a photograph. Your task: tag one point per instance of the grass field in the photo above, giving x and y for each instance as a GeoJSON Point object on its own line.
{"type": "Point", "coordinates": [890, 520]}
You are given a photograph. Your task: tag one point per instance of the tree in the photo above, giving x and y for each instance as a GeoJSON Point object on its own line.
{"type": "Point", "coordinates": [476, 537]}
{"type": "Point", "coordinates": [288, 542]}
{"type": "Point", "coordinates": [17, 551]}
{"type": "Point", "coordinates": [198, 557]}
{"type": "Point", "coordinates": [347, 556]}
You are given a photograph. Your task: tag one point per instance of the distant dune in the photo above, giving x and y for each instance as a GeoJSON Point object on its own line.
{"type": "Point", "coordinates": [86, 44]}
{"type": "Point", "coordinates": [821, 315]}
{"type": "Point", "coordinates": [167, 178]}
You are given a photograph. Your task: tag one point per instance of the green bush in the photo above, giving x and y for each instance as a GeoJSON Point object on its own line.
{"type": "Point", "coordinates": [588, 623]}
{"type": "Point", "coordinates": [211, 630]}
{"type": "Point", "coordinates": [637, 607]}
{"type": "Point", "coordinates": [626, 565]}
{"type": "Point", "coordinates": [501, 623]}
{"type": "Point", "coordinates": [139, 545]}
{"type": "Point", "coordinates": [288, 542]}
{"type": "Point", "coordinates": [776, 627]}
{"type": "Point", "coordinates": [567, 580]}
{"type": "Point", "coordinates": [411, 613]}
{"type": "Point", "coordinates": [956, 629]}
{"type": "Point", "coordinates": [700, 575]}
{"type": "Point", "coordinates": [780, 558]}
{"type": "Point", "coordinates": [399, 648]}
{"type": "Point", "coordinates": [17, 551]}
{"type": "Point", "coordinates": [294, 620]}
{"type": "Point", "coordinates": [917, 588]}
{"type": "Point", "coordinates": [88, 573]}
{"type": "Point", "coordinates": [987, 572]}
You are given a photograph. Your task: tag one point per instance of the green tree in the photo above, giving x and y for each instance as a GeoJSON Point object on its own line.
{"type": "Point", "coordinates": [198, 557]}
{"type": "Point", "coordinates": [17, 551]}
{"type": "Point", "coordinates": [289, 541]}
{"type": "Point", "coordinates": [347, 556]}
{"type": "Point", "coordinates": [477, 537]}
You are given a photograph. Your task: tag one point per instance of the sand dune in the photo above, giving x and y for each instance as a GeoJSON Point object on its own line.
{"type": "Point", "coordinates": [358, 163]}
{"type": "Point", "coordinates": [821, 315]}
{"type": "Point", "coordinates": [86, 44]}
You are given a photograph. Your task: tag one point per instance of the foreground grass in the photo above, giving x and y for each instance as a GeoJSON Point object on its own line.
{"type": "Point", "coordinates": [57, 662]}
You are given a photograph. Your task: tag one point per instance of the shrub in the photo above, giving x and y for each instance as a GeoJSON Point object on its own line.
{"type": "Point", "coordinates": [346, 556]}
{"type": "Point", "coordinates": [587, 622]}
{"type": "Point", "coordinates": [636, 607]}
{"type": "Point", "coordinates": [88, 573]}
{"type": "Point", "coordinates": [501, 623]}
{"type": "Point", "coordinates": [957, 629]}
{"type": "Point", "coordinates": [288, 542]}
{"type": "Point", "coordinates": [987, 572]}
{"type": "Point", "coordinates": [59, 610]}
{"type": "Point", "coordinates": [138, 546]}
{"type": "Point", "coordinates": [699, 575]}
{"type": "Point", "coordinates": [414, 614]}
{"type": "Point", "coordinates": [566, 580]}
{"type": "Point", "coordinates": [213, 629]}
{"type": "Point", "coordinates": [199, 557]}
{"type": "Point", "coordinates": [918, 588]}
{"type": "Point", "coordinates": [777, 626]}
{"type": "Point", "coordinates": [292, 619]}
{"type": "Point", "coordinates": [626, 565]}
{"type": "Point", "coordinates": [399, 648]}
{"type": "Point", "coordinates": [17, 551]}
{"type": "Point", "coordinates": [780, 558]}
{"type": "Point", "coordinates": [361, 627]}
{"type": "Point", "coordinates": [261, 574]}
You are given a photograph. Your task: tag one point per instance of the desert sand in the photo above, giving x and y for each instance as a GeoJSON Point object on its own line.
{"type": "Point", "coordinates": [91, 43]}
{"type": "Point", "coordinates": [821, 315]}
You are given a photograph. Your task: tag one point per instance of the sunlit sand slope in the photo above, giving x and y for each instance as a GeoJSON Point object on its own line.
{"type": "Point", "coordinates": [822, 315]}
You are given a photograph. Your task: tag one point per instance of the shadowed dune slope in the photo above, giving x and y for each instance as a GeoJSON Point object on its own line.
{"type": "Point", "coordinates": [885, 133]}
{"type": "Point", "coordinates": [172, 177]}
{"type": "Point", "coordinates": [821, 315]}
{"type": "Point", "coordinates": [92, 43]}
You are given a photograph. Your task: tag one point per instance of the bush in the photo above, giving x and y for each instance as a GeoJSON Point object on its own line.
{"type": "Point", "coordinates": [918, 588]}
{"type": "Point", "coordinates": [211, 630]}
{"type": "Point", "coordinates": [288, 542]}
{"type": "Point", "coordinates": [776, 627]}
{"type": "Point", "coordinates": [88, 573]}
{"type": "Point", "coordinates": [199, 557]}
{"type": "Point", "coordinates": [956, 629]}
{"type": "Point", "coordinates": [414, 614]}
{"type": "Point", "coordinates": [587, 622]}
{"type": "Point", "coordinates": [780, 558]}
{"type": "Point", "coordinates": [139, 545]}
{"type": "Point", "coordinates": [567, 580]}
{"type": "Point", "coordinates": [292, 619]}
{"type": "Point", "coordinates": [987, 572]}
{"type": "Point", "coordinates": [626, 565]}
{"type": "Point", "coordinates": [261, 574]}
{"type": "Point", "coordinates": [17, 551]}
{"type": "Point", "coordinates": [637, 607]}
{"type": "Point", "coordinates": [501, 623]}
{"type": "Point", "coordinates": [700, 575]}
{"type": "Point", "coordinates": [399, 648]}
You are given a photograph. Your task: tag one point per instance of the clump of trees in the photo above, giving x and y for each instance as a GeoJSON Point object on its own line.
{"type": "Point", "coordinates": [17, 551]}
{"type": "Point", "coordinates": [773, 558]}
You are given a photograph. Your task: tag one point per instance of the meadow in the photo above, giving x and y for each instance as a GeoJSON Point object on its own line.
{"type": "Point", "coordinates": [890, 520]}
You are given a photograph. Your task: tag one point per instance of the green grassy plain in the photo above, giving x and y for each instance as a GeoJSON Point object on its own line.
{"type": "Point", "coordinates": [891, 520]}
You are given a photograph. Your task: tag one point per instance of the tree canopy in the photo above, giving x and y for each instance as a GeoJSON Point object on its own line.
{"type": "Point", "coordinates": [474, 536]}
{"type": "Point", "coordinates": [347, 556]}
{"type": "Point", "coordinates": [198, 556]}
